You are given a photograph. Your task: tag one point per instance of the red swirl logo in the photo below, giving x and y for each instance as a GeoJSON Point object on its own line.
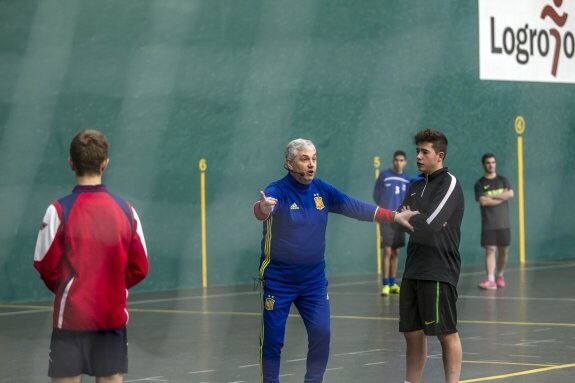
{"type": "Point", "coordinates": [559, 20]}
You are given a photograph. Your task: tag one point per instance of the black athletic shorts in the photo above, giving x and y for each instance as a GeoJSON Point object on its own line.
{"type": "Point", "coordinates": [429, 306]}
{"type": "Point", "coordinates": [391, 237]}
{"type": "Point", "coordinates": [97, 353]}
{"type": "Point", "coordinates": [499, 237]}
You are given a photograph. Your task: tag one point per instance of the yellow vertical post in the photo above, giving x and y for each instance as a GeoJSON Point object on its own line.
{"type": "Point", "coordinates": [376, 165]}
{"type": "Point", "coordinates": [520, 129]}
{"type": "Point", "coordinates": [203, 166]}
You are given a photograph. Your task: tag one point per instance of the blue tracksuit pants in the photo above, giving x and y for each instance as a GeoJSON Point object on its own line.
{"type": "Point", "coordinates": [312, 302]}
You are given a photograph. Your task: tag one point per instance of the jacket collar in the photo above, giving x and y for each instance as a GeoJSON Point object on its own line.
{"type": "Point", "coordinates": [90, 188]}
{"type": "Point", "coordinates": [296, 184]}
{"type": "Point", "coordinates": [436, 174]}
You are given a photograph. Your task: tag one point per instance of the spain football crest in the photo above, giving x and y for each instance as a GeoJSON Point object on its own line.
{"type": "Point", "coordinates": [269, 304]}
{"type": "Point", "coordinates": [318, 202]}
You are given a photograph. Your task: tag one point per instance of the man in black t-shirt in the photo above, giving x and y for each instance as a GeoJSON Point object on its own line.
{"type": "Point", "coordinates": [492, 191]}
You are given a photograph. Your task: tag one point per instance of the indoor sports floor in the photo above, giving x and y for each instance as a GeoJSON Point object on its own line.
{"type": "Point", "coordinates": [522, 333]}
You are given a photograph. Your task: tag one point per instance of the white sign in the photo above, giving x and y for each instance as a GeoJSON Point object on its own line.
{"type": "Point", "coordinates": [522, 40]}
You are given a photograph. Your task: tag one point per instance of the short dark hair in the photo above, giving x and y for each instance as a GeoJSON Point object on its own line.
{"type": "Point", "coordinates": [399, 153]}
{"type": "Point", "coordinates": [88, 149]}
{"type": "Point", "coordinates": [486, 156]}
{"type": "Point", "coordinates": [436, 138]}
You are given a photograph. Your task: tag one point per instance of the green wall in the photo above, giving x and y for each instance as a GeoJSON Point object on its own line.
{"type": "Point", "coordinates": [174, 81]}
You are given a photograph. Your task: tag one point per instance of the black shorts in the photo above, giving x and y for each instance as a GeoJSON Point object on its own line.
{"type": "Point", "coordinates": [391, 237]}
{"type": "Point", "coordinates": [97, 353]}
{"type": "Point", "coordinates": [429, 306]}
{"type": "Point", "coordinates": [498, 237]}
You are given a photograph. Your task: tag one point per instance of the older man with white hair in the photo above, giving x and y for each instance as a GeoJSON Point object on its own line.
{"type": "Point", "coordinates": [294, 211]}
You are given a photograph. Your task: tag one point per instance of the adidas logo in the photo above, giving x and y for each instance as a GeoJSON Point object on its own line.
{"type": "Point", "coordinates": [294, 206]}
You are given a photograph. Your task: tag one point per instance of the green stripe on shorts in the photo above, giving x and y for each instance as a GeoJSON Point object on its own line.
{"type": "Point", "coordinates": [437, 304]}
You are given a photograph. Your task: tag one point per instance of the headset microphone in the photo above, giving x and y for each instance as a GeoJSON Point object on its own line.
{"type": "Point", "coordinates": [301, 174]}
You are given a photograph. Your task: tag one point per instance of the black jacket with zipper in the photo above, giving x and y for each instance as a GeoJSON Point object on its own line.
{"type": "Point", "coordinates": [433, 247]}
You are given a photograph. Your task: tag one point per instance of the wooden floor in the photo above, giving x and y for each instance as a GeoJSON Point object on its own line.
{"type": "Point", "coordinates": [522, 333]}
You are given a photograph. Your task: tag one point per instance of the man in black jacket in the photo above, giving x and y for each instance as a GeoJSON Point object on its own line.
{"type": "Point", "coordinates": [429, 285]}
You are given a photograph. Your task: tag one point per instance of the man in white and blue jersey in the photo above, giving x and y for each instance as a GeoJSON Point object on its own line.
{"type": "Point", "coordinates": [389, 193]}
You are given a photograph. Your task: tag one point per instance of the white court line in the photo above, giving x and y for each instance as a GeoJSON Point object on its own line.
{"type": "Point", "coordinates": [296, 360]}
{"type": "Point", "coordinates": [375, 363]}
{"type": "Point", "coordinates": [480, 297]}
{"type": "Point", "coordinates": [24, 312]}
{"type": "Point", "coordinates": [193, 297]}
{"type": "Point", "coordinates": [531, 343]}
{"type": "Point", "coordinates": [494, 298]}
{"type": "Point", "coordinates": [201, 372]}
{"type": "Point", "coordinates": [333, 369]}
{"type": "Point", "coordinates": [150, 379]}
{"type": "Point", "coordinates": [473, 338]}
{"type": "Point", "coordinates": [528, 268]}
{"type": "Point", "coordinates": [362, 352]}
{"type": "Point", "coordinates": [249, 365]}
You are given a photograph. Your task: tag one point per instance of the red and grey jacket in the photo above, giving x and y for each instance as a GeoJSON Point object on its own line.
{"type": "Point", "coordinates": [90, 250]}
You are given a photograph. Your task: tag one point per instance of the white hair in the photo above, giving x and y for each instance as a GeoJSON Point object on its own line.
{"type": "Point", "coordinates": [296, 146]}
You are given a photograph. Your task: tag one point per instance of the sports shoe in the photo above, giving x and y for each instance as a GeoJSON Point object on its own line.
{"type": "Point", "coordinates": [394, 289]}
{"type": "Point", "coordinates": [500, 281]}
{"type": "Point", "coordinates": [385, 290]}
{"type": "Point", "coordinates": [487, 285]}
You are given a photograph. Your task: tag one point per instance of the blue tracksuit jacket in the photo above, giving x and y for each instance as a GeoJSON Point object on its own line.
{"type": "Point", "coordinates": [292, 268]}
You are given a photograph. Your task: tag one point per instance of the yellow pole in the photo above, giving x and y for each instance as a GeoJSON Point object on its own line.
{"type": "Point", "coordinates": [376, 165]}
{"type": "Point", "coordinates": [203, 166]}
{"type": "Point", "coordinates": [520, 129]}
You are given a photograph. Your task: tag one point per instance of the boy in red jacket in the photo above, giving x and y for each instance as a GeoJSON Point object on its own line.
{"type": "Point", "coordinates": [90, 250]}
